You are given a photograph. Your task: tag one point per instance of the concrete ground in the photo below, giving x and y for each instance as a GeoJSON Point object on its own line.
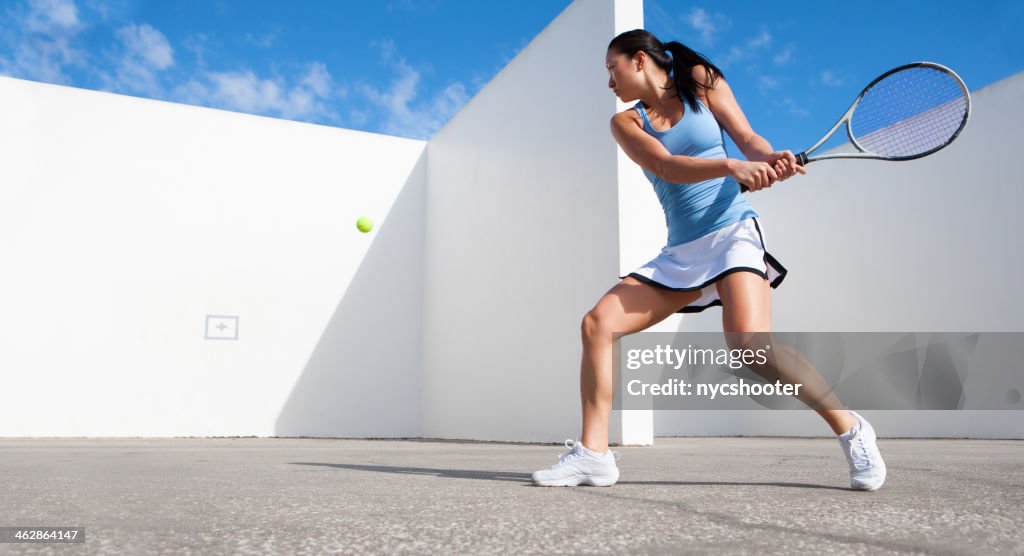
{"type": "Point", "coordinates": [692, 495]}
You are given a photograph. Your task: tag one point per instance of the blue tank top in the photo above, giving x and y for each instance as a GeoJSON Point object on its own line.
{"type": "Point", "coordinates": [696, 209]}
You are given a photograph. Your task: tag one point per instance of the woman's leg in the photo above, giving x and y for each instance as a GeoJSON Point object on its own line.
{"type": "Point", "coordinates": [746, 320]}
{"type": "Point", "coordinates": [746, 317]}
{"type": "Point", "coordinates": [630, 306]}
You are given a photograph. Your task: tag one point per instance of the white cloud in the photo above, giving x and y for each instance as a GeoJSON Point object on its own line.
{"type": "Point", "coordinates": [41, 39]}
{"type": "Point", "coordinates": [44, 40]}
{"type": "Point", "coordinates": [198, 45]}
{"type": "Point", "coordinates": [707, 24]}
{"type": "Point", "coordinates": [132, 76]}
{"type": "Point", "coordinates": [147, 44]}
{"type": "Point", "coordinates": [405, 114]}
{"type": "Point", "coordinates": [699, 20]}
{"type": "Point", "coordinates": [387, 48]}
{"type": "Point", "coordinates": [793, 108]}
{"type": "Point", "coordinates": [318, 80]}
{"type": "Point", "coordinates": [450, 100]}
{"type": "Point", "coordinates": [358, 117]}
{"type": "Point", "coordinates": [735, 53]}
{"type": "Point", "coordinates": [143, 54]}
{"type": "Point", "coordinates": [245, 91]}
{"type": "Point", "coordinates": [239, 90]}
{"type": "Point", "coordinates": [43, 61]}
{"type": "Point", "coordinates": [739, 53]}
{"type": "Point", "coordinates": [761, 40]}
{"type": "Point", "coordinates": [766, 84]}
{"type": "Point", "coordinates": [831, 79]}
{"type": "Point", "coordinates": [785, 56]}
{"type": "Point", "coordinates": [112, 10]}
{"type": "Point", "coordinates": [262, 41]}
{"type": "Point", "coordinates": [49, 16]}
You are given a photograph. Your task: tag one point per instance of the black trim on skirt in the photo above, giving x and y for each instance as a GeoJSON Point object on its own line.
{"type": "Point", "coordinates": [768, 259]}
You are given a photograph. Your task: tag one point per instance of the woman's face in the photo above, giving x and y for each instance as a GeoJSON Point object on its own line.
{"type": "Point", "coordinates": [623, 78]}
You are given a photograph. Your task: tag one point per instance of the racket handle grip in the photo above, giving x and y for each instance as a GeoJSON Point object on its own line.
{"type": "Point", "coordinates": [801, 159]}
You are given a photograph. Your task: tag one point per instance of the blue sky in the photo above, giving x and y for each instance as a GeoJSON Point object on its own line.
{"type": "Point", "coordinates": [404, 67]}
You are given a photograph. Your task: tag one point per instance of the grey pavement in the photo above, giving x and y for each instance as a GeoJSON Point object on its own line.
{"type": "Point", "coordinates": [683, 495]}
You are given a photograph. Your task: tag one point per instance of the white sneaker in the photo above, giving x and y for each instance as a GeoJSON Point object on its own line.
{"type": "Point", "coordinates": [579, 466]}
{"type": "Point", "coordinates": [867, 470]}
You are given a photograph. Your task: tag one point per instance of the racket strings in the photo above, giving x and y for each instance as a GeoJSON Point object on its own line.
{"type": "Point", "coordinates": [910, 112]}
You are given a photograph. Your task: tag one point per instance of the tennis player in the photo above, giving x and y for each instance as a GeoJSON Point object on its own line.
{"type": "Point", "coordinates": [715, 254]}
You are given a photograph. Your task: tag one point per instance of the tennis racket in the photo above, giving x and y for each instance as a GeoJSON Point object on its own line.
{"type": "Point", "coordinates": [906, 113]}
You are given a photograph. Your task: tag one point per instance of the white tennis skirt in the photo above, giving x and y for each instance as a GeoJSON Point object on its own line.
{"type": "Point", "coordinates": [698, 264]}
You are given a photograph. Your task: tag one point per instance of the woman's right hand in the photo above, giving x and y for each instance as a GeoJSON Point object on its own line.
{"type": "Point", "coordinates": [754, 175]}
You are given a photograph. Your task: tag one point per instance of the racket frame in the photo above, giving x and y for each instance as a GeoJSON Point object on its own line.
{"type": "Point", "coordinates": [804, 158]}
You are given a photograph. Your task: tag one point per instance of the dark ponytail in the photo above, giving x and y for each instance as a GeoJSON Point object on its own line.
{"type": "Point", "coordinates": [679, 65]}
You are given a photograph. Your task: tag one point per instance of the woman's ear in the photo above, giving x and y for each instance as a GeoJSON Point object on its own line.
{"type": "Point", "coordinates": [639, 60]}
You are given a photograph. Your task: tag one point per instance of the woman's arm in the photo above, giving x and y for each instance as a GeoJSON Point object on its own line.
{"type": "Point", "coordinates": [652, 156]}
{"type": "Point", "coordinates": [727, 111]}
{"type": "Point", "coordinates": [722, 103]}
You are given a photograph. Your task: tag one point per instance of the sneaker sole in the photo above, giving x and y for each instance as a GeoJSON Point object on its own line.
{"type": "Point", "coordinates": [577, 481]}
{"type": "Point", "coordinates": [867, 488]}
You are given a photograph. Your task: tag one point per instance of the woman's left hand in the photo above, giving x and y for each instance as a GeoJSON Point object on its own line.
{"type": "Point", "coordinates": [784, 163]}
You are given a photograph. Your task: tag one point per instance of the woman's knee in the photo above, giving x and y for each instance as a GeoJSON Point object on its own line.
{"type": "Point", "coordinates": [598, 325]}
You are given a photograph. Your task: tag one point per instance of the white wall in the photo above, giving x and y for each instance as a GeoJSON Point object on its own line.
{"type": "Point", "coordinates": [522, 235]}
{"type": "Point", "coordinates": [124, 222]}
{"type": "Point", "coordinates": [931, 245]}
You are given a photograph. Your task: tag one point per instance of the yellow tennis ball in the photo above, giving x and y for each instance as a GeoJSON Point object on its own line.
{"type": "Point", "coordinates": [364, 224]}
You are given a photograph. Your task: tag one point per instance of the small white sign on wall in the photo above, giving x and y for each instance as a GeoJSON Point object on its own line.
{"type": "Point", "coordinates": [221, 327]}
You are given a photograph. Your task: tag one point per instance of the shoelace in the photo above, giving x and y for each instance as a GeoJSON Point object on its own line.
{"type": "Point", "coordinates": [859, 451]}
{"type": "Point", "coordinates": [576, 453]}
{"type": "Point", "coordinates": [573, 453]}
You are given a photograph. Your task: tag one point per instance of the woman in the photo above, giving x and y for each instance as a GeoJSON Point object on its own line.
{"type": "Point", "coordinates": [715, 252]}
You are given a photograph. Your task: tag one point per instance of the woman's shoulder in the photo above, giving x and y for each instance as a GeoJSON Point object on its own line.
{"type": "Point", "coordinates": [629, 115]}
{"type": "Point", "coordinates": [708, 79]}
{"type": "Point", "coordinates": [701, 75]}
